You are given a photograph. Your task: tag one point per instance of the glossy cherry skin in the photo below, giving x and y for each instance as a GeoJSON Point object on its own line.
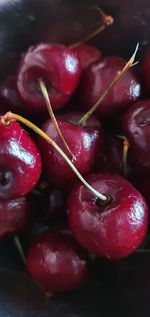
{"type": "Point", "coordinates": [146, 71]}
{"type": "Point", "coordinates": [113, 229]}
{"type": "Point", "coordinates": [136, 126]}
{"type": "Point", "coordinates": [84, 143]}
{"type": "Point", "coordinates": [9, 97]}
{"type": "Point", "coordinates": [56, 262]}
{"type": "Point", "coordinates": [59, 68]}
{"type": "Point", "coordinates": [98, 76]}
{"type": "Point", "coordinates": [87, 55]}
{"type": "Point", "coordinates": [20, 161]}
{"type": "Point", "coordinates": [14, 216]}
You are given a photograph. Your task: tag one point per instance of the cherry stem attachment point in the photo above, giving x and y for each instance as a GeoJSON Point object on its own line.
{"type": "Point", "coordinates": [51, 113]}
{"type": "Point", "coordinates": [20, 249]}
{"type": "Point", "coordinates": [9, 116]}
{"type": "Point", "coordinates": [119, 75]}
{"type": "Point", "coordinates": [107, 20]}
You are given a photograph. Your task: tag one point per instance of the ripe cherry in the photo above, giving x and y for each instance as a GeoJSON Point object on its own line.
{"type": "Point", "coordinates": [146, 71]}
{"type": "Point", "coordinates": [57, 66]}
{"type": "Point", "coordinates": [83, 142]}
{"type": "Point", "coordinates": [56, 262]}
{"type": "Point", "coordinates": [97, 77]}
{"type": "Point", "coordinates": [112, 229]}
{"type": "Point", "coordinates": [14, 216]}
{"type": "Point", "coordinates": [136, 126]}
{"type": "Point", "coordinates": [9, 98]}
{"type": "Point", "coordinates": [87, 55]}
{"type": "Point", "coordinates": [20, 161]}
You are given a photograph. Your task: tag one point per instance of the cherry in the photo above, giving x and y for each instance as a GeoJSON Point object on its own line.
{"type": "Point", "coordinates": [144, 187]}
{"type": "Point", "coordinates": [136, 126]}
{"type": "Point", "coordinates": [14, 216]}
{"type": "Point", "coordinates": [56, 262]}
{"type": "Point", "coordinates": [112, 229]}
{"type": "Point", "coordinates": [87, 55]}
{"type": "Point", "coordinates": [112, 160]}
{"type": "Point", "coordinates": [53, 205]}
{"type": "Point", "coordinates": [9, 97]}
{"type": "Point", "coordinates": [20, 161]}
{"type": "Point", "coordinates": [83, 142]}
{"type": "Point", "coordinates": [58, 66]}
{"type": "Point", "coordinates": [98, 76]}
{"type": "Point", "coordinates": [146, 70]}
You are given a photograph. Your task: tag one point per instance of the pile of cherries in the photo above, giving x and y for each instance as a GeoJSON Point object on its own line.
{"type": "Point", "coordinates": [87, 177]}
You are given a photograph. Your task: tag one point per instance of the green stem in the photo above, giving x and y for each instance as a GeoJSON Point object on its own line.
{"type": "Point", "coordinates": [9, 116]}
{"type": "Point", "coordinates": [20, 249]}
{"type": "Point", "coordinates": [119, 75]}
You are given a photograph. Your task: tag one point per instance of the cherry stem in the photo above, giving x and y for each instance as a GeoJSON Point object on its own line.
{"type": "Point", "coordinates": [9, 116]}
{"type": "Point", "coordinates": [51, 113]}
{"type": "Point", "coordinates": [119, 75]}
{"type": "Point", "coordinates": [120, 137]}
{"type": "Point", "coordinates": [20, 249]}
{"type": "Point", "coordinates": [125, 156]}
{"type": "Point", "coordinates": [107, 20]}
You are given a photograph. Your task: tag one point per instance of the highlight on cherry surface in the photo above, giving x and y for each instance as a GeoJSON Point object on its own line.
{"type": "Point", "coordinates": [9, 117]}
{"type": "Point", "coordinates": [131, 62]}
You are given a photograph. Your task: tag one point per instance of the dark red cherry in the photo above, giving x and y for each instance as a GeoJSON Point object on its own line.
{"type": "Point", "coordinates": [58, 66]}
{"type": "Point", "coordinates": [14, 216]}
{"type": "Point", "coordinates": [144, 187]}
{"type": "Point", "coordinates": [56, 262]}
{"type": "Point", "coordinates": [53, 205]}
{"type": "Point", "coordinates": [87, 54]}
{"type": "Point", "coordinates": [136, 126]}
{"type": "Point", "coordinates": [84, 144]}
{"type": "Point", "coordinates": [112, 159]}
{"type": "Point", "coordinates": [96, 79]}
{"type": "Point", "coordinates": [9, 98]}
{"type": "Point", "coordinates": [146, 71]}
{"type": "Point", "coordinates": [113, 229]}
{"type": "Point", "coordinates": [20, 161]}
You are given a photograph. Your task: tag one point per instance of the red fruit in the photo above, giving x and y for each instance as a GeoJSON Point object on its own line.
{"type": "Point", "coordinates": [56, 262]}
{"type": "Point", "coordinates": [113, 229]}
{"type": "Point", "coordinates": [87, 55]}
{"type": "Point", "coordinates": [146, 70]}
{"type": "Point", "coordinates": [14, 216]}
{"type": "Point", "coordinates": [20, 161]}
{"type": "Point", "coordinates": [96, 79]}
{"type": "Point", "coordinates": [9, 98]}
{"type": "Point", "coordinates": [136, 126]}
{"type": "Point", "coordinates": [112, 160]}
{"type": "Point", "coordinates": [53, 205]}
{"type": "Point", "coordinates": [55, 64]}
{"type": "Point", "coordinates": [84, 143]}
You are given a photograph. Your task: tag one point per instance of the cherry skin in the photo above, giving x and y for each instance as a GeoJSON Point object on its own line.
{"type": "Point", "coordinates": [144, 187]}
{"type": "Point", "coordinates": [146, 71]}
{"type": "Point", "coordinates": [113, 229]}
{"type": "Point", "coordinates": [56, 262]}
{"type": "Point", "coordinates": [136, 126]}
{"type": "Point", "coordinates": [83, 142]}
{"type": "Point", "coordinates": [14, 216]}
{"type": "Point", "coordinates": [98, 76]}
{"type": "Point", "coordinates": [20, 161]}
{"type": "Point", "coordinates": [9, 98]}
{"type": "Point", "coordinates": [58, 66]}
{"type": "Point", "coordinates": [53, 205]}
{"type": "Point", "coordinates": [112, 159]}
{"type": "Point", "coordinates": [87, 55]}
